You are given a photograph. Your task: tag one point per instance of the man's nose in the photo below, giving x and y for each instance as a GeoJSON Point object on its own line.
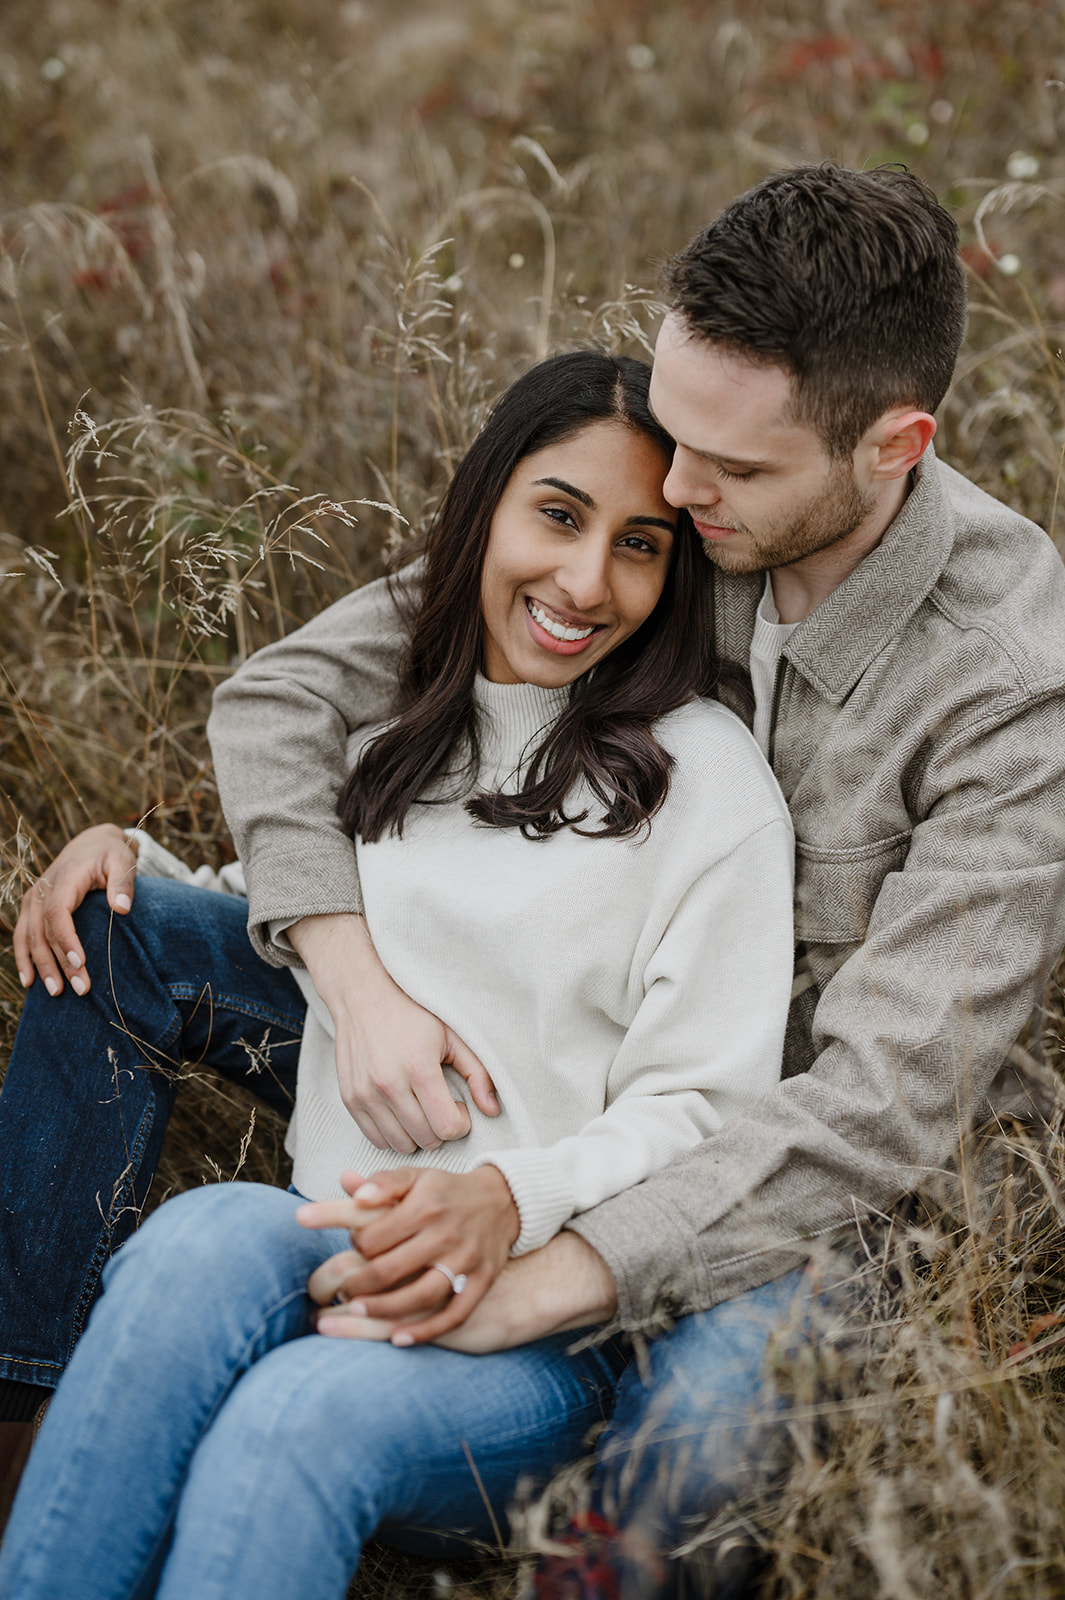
{"type": "Point", "coordinates": [685, 487]}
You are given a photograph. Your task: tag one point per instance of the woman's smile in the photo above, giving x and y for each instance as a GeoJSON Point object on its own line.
{"type": "Point", "coordinates": [577, 556]}
{"type": "Point", "coordinates": [565, 637]}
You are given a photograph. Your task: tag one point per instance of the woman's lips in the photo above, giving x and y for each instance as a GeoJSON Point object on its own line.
{"type": "Point", "coordinates": [548, 640]}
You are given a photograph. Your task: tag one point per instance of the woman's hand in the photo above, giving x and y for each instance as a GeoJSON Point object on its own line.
{"type": "Point", "coordinates": [389, 1049]}
{"type": "Point", "coordinates": [404, 1223]}
{"type": "Point", "coordinates": [99, 858]}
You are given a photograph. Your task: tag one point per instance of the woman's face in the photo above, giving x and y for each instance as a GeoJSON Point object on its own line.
{"type": "Point", "coordinates": [577, 555]}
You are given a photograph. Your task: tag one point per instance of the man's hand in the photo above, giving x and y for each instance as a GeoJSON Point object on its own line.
{"type": "Point", "coordinates": [404, 1222]}
{"type": "Point", "coordinates": [99, 858]}
{"type": "Point", "coordinates": [389, 1050]}
{"type": "Point", "coordinates": [564, 1285]}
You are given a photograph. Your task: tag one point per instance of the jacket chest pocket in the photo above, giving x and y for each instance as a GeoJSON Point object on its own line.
{"type": "Point", "coordinates": [836, 889]}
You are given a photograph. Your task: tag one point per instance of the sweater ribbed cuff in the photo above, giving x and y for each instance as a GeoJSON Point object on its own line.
{"type": "Point", "coordinates": [544, 1202]}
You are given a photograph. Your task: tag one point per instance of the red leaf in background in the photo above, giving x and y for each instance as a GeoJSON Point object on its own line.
{"type": "Point", "coordinates": [979, 260]}
{"type": "Point", "coordinates": [125, 199]}
{"type": "Point", "coordinates": [804, 53]}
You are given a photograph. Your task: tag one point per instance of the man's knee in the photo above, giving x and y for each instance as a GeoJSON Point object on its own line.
{"type": "Point", "coordinates": [700, 1424]}
{"type": "Point", "coordinates": [222, 1229]}
{"type": "Point", "coordinates": [167, 920]}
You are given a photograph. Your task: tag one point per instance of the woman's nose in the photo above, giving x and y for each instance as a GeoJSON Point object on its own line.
{"type": "Point", "coordinates": [585, 578]}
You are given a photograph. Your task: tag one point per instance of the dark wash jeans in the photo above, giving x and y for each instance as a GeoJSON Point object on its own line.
{"type": "Point", "coordinates": [88, 1094]}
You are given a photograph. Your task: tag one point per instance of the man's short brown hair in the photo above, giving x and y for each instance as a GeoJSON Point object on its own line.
{"type": "Point", "coordinates": [849, 280]}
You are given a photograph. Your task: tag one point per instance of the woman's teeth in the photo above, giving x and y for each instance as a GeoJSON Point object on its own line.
{"type": "Point", "coordinates": [556, 629]}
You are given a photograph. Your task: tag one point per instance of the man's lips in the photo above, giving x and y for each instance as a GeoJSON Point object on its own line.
{"type": "Point", "coordinates": [546, 624]}
{"type": "Point", "coordinates": [712, 530]}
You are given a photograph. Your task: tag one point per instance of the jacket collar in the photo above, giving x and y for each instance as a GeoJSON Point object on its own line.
{"type": "Point", "coordinates": [833, 646]}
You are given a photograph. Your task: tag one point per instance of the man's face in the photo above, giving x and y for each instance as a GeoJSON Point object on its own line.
{"type": "Point", "coordinates": [761, 489]}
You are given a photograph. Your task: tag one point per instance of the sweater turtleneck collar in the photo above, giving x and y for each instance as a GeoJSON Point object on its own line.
{"type": "Point", "coordinates": [513, 715]}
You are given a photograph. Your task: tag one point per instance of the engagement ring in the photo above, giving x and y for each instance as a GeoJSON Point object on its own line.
{"type": "Point", "coordinates": [457, 1280]}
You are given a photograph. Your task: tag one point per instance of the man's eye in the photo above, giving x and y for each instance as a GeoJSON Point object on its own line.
{"type": "Point", "coordinates": [734, 477]}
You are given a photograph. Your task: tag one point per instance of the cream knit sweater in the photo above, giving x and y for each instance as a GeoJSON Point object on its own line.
{"type": "Point", "coordinates": [625, 995]}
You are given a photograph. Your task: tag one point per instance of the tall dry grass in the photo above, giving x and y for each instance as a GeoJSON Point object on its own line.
{"type": "Point", "coordinates": [261, 267]}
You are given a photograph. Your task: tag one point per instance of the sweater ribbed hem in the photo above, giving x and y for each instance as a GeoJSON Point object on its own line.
{"type": "Point", "coordinates": [324, 1144]}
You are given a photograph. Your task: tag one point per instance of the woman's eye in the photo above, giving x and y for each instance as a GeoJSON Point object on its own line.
{"type": "Point", "coordinates": [560, 514]}
{"type": "Point", "coordinates": [638, 542]}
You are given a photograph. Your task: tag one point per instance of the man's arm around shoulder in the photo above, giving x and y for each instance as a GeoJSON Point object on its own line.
{"type": "Point", "coordinates": [279, 732]}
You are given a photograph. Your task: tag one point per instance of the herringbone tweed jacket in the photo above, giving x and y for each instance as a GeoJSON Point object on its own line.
{"type": "Point", "coordinates": [919, 738]}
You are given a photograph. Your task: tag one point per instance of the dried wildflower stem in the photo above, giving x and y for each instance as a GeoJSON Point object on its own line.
{"type": "Point", "coordinates": [519, 199]}
{"type": "Point", "coordinates": [163, 243]}
{"type": "Point", "coordinates": [27, 344]}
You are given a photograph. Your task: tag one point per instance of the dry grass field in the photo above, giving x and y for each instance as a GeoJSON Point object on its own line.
{"type": "Point", "coordinates": [262, 263]}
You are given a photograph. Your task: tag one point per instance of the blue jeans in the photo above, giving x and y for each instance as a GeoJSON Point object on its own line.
{"type": "Point", "coordinates": [698, 1424]}
{"type": "Point", "coordinates": [83, 1110]}
{"type": "Point", "coordinates": [90, 1086]}
{"type": "Point", "coordinates": [204, 1442]}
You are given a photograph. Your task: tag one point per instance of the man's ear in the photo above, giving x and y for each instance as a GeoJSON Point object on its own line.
{"type": "Point", "coordinates": [899, 439]}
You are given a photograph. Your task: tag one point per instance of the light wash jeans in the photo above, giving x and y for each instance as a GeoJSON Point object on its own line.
{"type": "Point", "coordinates": [204, 1442]}
{"type": "Point", "coordinates": [198, 1362]}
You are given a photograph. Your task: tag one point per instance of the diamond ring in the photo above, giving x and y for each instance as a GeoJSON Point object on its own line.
{"type": "Point", "coordinates": [457, 1280]}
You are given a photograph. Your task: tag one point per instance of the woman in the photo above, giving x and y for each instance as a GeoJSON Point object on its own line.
{"type": "Point", "coordinates": [585, 872]}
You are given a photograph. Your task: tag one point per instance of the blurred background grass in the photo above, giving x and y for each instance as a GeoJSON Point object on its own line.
{"type": "Point", "coordinates": [264, 261]}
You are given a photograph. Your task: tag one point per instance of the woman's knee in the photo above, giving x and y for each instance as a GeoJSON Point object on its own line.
{"type": "Point", "coordinates": [324, 1411]}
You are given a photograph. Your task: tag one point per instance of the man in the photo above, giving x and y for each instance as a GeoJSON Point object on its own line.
{"type": "Point", "coordinates": [904, 634]}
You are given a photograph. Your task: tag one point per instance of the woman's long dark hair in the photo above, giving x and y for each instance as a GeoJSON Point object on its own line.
{"type": "Point", "coordinates": [605, 734]}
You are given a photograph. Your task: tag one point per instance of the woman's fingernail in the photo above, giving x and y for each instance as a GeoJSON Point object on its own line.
{"type": "Point", "coordinates": [403, 1339]}
{"type": "Point", "coordinates": [74, 959]}
{"type": "Point", "coordinates": [356, 1308]}
{"type": "Point", "coordinates": [24, 979]}
{"type": "Point", "coordinates": [78, 985]}
{"type": "Point", "coordinates": [122, 902]}
{"type": "Point", "coordinates": [51, 985]}
{"type": "Point", "coordinates": [369, 1191]}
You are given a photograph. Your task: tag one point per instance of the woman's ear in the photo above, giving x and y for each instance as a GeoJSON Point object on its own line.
{"type": "Point", "coordinates": [898, 440]}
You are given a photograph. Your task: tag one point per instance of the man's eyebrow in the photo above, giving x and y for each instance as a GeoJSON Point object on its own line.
{"type": "Point", "coordinates": [585, 499]}
{"type": "Point", "coordinates": [745, 464]}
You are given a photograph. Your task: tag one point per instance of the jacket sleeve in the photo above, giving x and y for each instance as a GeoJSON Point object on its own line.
{"type": "Point", "coordinates": [909, 1035]}
{"type": "Point", "coordinates": [706, 1040]}
{"type": "Point", "coordinates": [278, 732]}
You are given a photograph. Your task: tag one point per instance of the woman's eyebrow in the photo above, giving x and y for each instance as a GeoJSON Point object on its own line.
{"type": "Point", "coordinates": [586, 500]}
{"type": "Point", "coordinates": [650, 522]}
{"type": "Point", "coordinates": [567, 488]}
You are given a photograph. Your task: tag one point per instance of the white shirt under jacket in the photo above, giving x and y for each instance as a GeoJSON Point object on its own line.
{"type": "Point", "coordinates": [626, 996]}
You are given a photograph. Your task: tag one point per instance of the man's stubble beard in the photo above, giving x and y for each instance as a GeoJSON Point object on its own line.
{"type": "Point", "coordinates": [823, 522]}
